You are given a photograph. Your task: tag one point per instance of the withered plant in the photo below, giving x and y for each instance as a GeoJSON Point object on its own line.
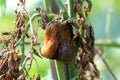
{"type": "Point", "coordinates": [68, 42]}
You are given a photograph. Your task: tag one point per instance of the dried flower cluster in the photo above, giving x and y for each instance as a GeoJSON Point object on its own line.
{"type": "Point", "coordinates": [86, 53]}
{"type": "Point", "coordinates": [12, 60]}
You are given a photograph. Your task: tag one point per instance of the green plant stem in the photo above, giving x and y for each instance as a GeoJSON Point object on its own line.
{"type": "Point", "coordinates": [62, 9]}
{"type": "Point", "coordinates": [105, 44]}
{"type": "Point", "coordinates": [107, 66]}
{"type": "Point", "coordinates": [22, 49]}
{"type": "Point", "coordinates": [72, 70]}
{"type": "Point", "coordinates": [27, 27]}
{"type": "Point", "coordinates": [71, 11]}
{"type": "Point", "coordinates": [47, 5]}
{"type": "Point", "coordinates": [102, 44]}
{"type": "Point", "coordinates": [60, 70]}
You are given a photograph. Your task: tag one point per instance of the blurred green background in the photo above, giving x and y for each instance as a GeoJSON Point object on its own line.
{"type": "Point", "coordinates": [105, 19]}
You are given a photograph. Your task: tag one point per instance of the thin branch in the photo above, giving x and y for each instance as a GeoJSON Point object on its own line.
{"type": "Point", "coordinates": [47, 5]}
{"type": "Point", "coordinates": [106, 65]}
{"type": "Point", "coordinates": [101, 44]}
{"type": "Point", "coordinates": [31, 29]}
{"type": "Point", "coordinates": [107, 44]}
{"type": "Point", "coordinates": [71, 10]}
{"type": "Point", "coordinates": [23, 49]}
{"type": "Point", "coordinates": [27, 27]}
{"type": "Point", "coordinates": [59, 70]}
{"type": "Point", "coordinates": [66, 71]}
{"type": "Point", "coordinates": [28, 43]}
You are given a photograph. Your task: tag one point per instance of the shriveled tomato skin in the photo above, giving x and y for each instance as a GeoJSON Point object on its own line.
{"type": "Point", "coordinates": [58, 42]}
{"type": "Point", "coordinates": [50, 43]}
{"type": "Point", "coordinates": [67, 46]}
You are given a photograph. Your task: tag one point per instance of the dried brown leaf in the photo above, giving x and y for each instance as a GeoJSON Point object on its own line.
{"type": "Point", "coordinates": [11, 62]}
{"type": "Point", "coordinates": [9, 76]}
{"type": "Point", "coordinates": [21, 77]}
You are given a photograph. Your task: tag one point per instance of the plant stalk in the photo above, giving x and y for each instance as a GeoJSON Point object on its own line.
{"type": "Point", "coordinates": [105, 44]}
{"type": "Point", "coordinates": [47, 6]}
{"type": "Point", "coordinates": [63, 10]}
{"type": "Point", "coordinates": [22, 49]}
{"type": "Point", "coordinates": [71, 10]}
{"type": "Point", "coordinates": [60, 70]}
{"type": "Point", "coordinates": [27, 28]}
{"type": "Point", "coordinates": [72, 69]}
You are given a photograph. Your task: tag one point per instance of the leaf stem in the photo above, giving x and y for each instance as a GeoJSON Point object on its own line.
{"type": "Point", "coordinates": [71, 10]}
{"type": "Point", "coordinates": [108, 44]}
{"type": "Point", "coordinates": [22, 49]}
{"type": "Point", "coordinates": [62, 9]}
{"type": "Point", "coordinates": [27, 27]}
{"type": "Point", "coordinates": [107, 66]}
{"type": "Point", "coordinates": [59, 70]}
{"type": "Point", "coordinates": [47, 6]}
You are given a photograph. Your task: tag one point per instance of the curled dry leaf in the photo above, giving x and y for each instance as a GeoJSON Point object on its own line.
{"type": "Point", "coordinates": [3, 65]}
{"type": "Point", "coordinates": [21, 77]}
{"type": "Point", "coordinates": [9, 76]}
{"type": "Point", "coordinates": [85, 56]}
